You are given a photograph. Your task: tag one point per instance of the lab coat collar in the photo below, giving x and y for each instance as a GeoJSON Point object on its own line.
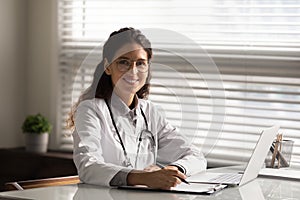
{"type": "Point", "coordinates": [119, 108]}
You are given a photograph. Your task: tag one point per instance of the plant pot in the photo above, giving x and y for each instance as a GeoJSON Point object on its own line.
{"type": "Point", "coordinates": [37, 143]}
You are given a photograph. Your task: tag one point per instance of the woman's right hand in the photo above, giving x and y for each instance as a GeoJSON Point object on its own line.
{"type": "Point", "coordinates": [161, 179]}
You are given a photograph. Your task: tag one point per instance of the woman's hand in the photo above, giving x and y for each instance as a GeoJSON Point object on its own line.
{"type": "Point", "coordinates": [161, 179]}
{"type": "Point", "coordinates": [152, 168]}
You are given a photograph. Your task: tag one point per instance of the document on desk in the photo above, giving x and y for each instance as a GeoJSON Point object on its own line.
{"type": "Point", "coordinates": [192, 188]}
{"type": "Point", "coordinates": [199, 188]}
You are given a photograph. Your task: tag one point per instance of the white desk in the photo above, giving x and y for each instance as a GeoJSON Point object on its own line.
{"type": "Point", "coordinates": [260, 188]}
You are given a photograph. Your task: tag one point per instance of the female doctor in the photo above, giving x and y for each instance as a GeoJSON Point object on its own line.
{"type": "Point", "coordinates": [120, 138]}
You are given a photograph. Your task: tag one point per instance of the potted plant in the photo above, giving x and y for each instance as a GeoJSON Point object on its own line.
{"type": "Point", "coordinates": [36, 129]}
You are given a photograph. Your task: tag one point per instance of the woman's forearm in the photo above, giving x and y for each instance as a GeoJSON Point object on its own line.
{"type": "Point", "coordinates": [136, 177]}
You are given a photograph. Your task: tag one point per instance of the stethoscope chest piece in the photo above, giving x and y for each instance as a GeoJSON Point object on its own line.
{"type": "Point", "coordinates": [127, 162]}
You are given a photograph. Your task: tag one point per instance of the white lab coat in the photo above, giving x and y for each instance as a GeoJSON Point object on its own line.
{"type": "Point", "coordinates": [98, 154]}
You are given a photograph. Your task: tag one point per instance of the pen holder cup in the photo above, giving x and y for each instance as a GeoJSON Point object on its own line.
{"type": "Point", "coordinates": [280, 154]}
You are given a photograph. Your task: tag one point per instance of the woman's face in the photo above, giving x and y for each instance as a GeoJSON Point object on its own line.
{"type": "Point", "coordinates": [128, 80]}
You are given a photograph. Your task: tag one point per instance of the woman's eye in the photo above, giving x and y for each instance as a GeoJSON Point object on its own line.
{"type": "Point", "coordinates": [140, 63]}
{"type": "Point", "coordinates": [124, 62]}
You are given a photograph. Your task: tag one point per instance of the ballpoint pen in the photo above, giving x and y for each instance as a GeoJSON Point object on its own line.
{"type": "Point", "coordinates": [182, 180]}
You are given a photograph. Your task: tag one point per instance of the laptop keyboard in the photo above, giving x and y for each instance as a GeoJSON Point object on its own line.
{"type": "Point", "coordinates": [227, 178]}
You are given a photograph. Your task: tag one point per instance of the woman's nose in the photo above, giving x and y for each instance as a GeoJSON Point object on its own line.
{"type": "Point", "coordinates": [133, 68]}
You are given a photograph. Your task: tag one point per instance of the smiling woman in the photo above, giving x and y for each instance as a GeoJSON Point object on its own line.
{"type": "Point", "coordinates": [120, 138]}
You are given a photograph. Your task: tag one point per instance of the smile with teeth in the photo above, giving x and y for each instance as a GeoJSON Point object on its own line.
{"type": "Point", "coordinates": [131, 81]}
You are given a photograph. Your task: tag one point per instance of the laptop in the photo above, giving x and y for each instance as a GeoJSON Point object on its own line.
{"type": "Point", "coordinates": [253, 167]}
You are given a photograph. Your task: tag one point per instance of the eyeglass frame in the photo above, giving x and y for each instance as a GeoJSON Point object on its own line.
{"type": "Point", "coordinates": [130, 63]}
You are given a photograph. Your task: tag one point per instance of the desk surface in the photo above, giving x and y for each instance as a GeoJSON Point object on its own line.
{"type": "Point", "coordinates": [260, 188]}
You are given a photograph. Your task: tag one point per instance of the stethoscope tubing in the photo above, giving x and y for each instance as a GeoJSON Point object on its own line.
{"type": "Point", "coordinates": [140, 138]}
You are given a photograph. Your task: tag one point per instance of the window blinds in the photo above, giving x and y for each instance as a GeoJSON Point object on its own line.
{"type": "Point", "coordinates": [255, 46]}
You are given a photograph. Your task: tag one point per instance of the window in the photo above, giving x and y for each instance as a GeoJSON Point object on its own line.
{"type": "Point", "coordinates": [223, 70]}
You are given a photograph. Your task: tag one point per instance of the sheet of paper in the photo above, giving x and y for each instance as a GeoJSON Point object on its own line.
{"type": "Point", "coordinates": [194, 187]}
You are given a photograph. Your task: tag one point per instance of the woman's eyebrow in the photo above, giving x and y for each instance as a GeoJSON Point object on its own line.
{"type": "Point", "coordinates": [124, 57]}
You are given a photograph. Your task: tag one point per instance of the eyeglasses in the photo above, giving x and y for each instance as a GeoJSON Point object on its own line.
{"type": "Point", "coordinates": [124, 65]}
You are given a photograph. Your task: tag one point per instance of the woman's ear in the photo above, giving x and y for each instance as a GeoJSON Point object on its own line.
{"type": "Point", "coordinates": [107, 67]}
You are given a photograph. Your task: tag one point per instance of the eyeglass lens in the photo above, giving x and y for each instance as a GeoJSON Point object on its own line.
{"type": "Point", "coordinates": [125, 64]}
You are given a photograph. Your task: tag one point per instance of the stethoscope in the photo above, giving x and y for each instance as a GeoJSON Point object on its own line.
{"type": "Point", "coordinates": [127, 162]}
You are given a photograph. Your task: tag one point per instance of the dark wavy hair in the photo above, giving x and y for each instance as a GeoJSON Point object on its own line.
{"type": "Point", "coordinates": [102, 86]}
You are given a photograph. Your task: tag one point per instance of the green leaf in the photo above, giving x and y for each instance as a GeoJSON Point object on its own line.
{"type": "Point", "coordinates": [36, 124]}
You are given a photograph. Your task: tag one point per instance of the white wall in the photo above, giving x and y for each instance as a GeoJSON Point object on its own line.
{"type": "Point", "coordinates": [41, 74]}
{"type": "Point", "coordinates": [26, 65]}
{"type": "Point", "coordinates": [13, 61]}
{"type": "Point", "coordinates": [38, 74]}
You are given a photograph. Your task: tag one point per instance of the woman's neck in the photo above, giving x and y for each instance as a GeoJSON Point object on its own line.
{"type": "Point", "coordinates": [127, 99]}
